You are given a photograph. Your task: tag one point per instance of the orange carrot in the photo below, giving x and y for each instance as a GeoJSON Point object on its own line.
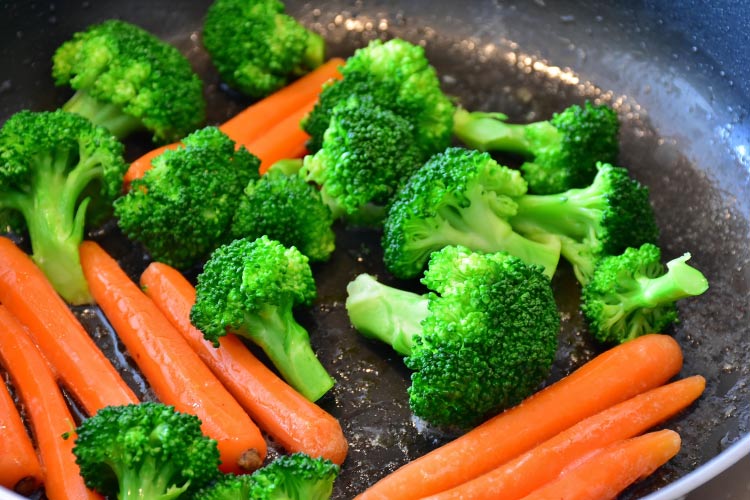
{"type": "Point", "coordinates": [540, 465]}
{"type": "Point", "coordinates": [74, 357]}
{"type": "Point", "coordinates": [19, 466]}
{"type": "Point", "coordinates": [605, 473]}
{"type": "Point", "coordinates": [48, 413]}
{"type": "Point", "coordinates": [610, 378]}
{"type": "Point", "coordinates": [254, 121]}
{"type": "Point", "coordinates": [175, 373]}
{"type": "Point", "coordinates": [285, 140]}
{"type": "Point", "coordinates": [287, 416]}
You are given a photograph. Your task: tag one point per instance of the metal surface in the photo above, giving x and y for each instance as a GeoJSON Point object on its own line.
{"type": "Point", "coordinates": [667, 69]}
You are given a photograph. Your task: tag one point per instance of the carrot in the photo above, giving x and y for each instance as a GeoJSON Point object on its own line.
{"type": "Point", "coordinates": [610, 378]}
{"type": "Point", "coordinates": [48, 413]}
{"type": "Point", "coordinates": [288, 417]}
{"type": "Point", "coordinates": [175, 373]}
{"type": "Point", "coordinates": [254, 121]}
{"type": "Point", "coordinates": [19, 465]}
{"type": "Point", "coordinates": [74, 357]}
{"type": "Point", "coordinates": [544, 463]}
{"type": "Point", "coordinates": [285, 140]}
{"type": "Point", "coordinates": [605, 473]}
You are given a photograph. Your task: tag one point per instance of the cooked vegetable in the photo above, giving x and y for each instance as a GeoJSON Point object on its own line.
{"type": "Point", "coordinates": [126, 79]}
{"type": "Point", "coordinates": [545, 462]}
{"type": "Point", "coordinates": [173, 370]}
{"type": "Point", "coordinates": [53, 165]}
{"type": "Point", "coordinates": [46, 409]}
{"type": "Point", "coordinates": [256, 47]}
{"type": "Point", "coordinates": [148, 450]}
{"type": "Point", "coordinates": [290, 419]}
{"type": "Point", "coordinates": [610, 378]}
{"type": "Point", "coordinates": [251, 287]}
{"type": "Point", "coordinates": [605, 474]}
{"type": "Point", "coordinates": [74, 357]}
{"type": "Point", "coordinates": [459, 197]}
{"type": "Point", "coordinates": [396, 75]}
{"type": "Point", "coordinates": [285, 140]}
{"type": "Point", "coordinates": [182, 209]}
{"type": "Point", "coordinates": [481, 340]}
{"type": "Point", "coordinates": [562, 152]}
{"type": "Point", "coordinates": [19, 466]}
{"type": "Point", "coordinates": [632, 294]}
{"type": "Point", "coordinates": [604, 218]}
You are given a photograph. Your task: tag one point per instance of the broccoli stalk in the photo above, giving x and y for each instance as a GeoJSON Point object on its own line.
{"type": "Point", "coordinates": [126, 79]}
{"type": "Point", "coordinates": [53, 165]}
{"type": "Point", "coordinates": [631, 294]}
{"type": "Point", "coordinates": [145, 451]}
{"type": "Point", "coordinates": [256, 47]}
{"type": "Point", "coordinates": [562, 152]}
{"type": "Point", "coordinates": [482, 339]}
{"type": "Point", "coordinates": [459, 197]}
{"type": "Point", "coordinates": [289, 477]}
{"type": "Point", "coordinates": [251, 287]}
{"type": "Point", "coordinates": [604, 218]}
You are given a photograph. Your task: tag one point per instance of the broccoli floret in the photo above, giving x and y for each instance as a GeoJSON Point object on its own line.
{"type": "Point", "coordinates": [52, 165]}
{"type": "Point", "coordinates": [127, 79]}
{"type": "Point", "coordinates": [482, 339]}
{"type": "Point", "coordinates": [289, 477]}
{"type": "Point", "coordinates": [604, 218]}
{"type": "Point", "coordinates": [632, 294]}
{"type": "Point", "coordinates": [145, 450]}
{"type": "Point", "coordinates": [398, 76]}
{"type": "Point", "coordinates": [459, 197]}
{"type": "Point", "coordinates": [251, 287]}
{"type": "Point", "coordinates": [182, 208]}
{"type": "Point", "coordinates": [284, 207]}
{"type": "Point", "coordinates": [367, 153]}
{"type": "Point", "coordinates": [256, 47]}
{"type": "Point", "coordinates": [562, 152]}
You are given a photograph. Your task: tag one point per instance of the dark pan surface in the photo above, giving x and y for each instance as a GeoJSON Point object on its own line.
{"type": "Point", "coordinates": [684, 134]}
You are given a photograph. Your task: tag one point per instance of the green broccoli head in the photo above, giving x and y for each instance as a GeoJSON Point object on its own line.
{"type": "Point", "coordinates": [145, 450]}
{"type": "Point", "coordinates": [251, 287]}
{"type": "Point", "coordinates": [127, 79]}
{"type": "Point", "coordinates": [182, 208]}
{"type": "Point", "coordinates": [367, 153]}
{"type": "Point", "coordinates": [256, 47]}
{"type": "Point", "coordinates": [482, 339]}
{"type": "Point", "coordinates": [397, 76]}
{"type": "Point", "coordinates": [604, 218]}
{"type": "Point", "coordinates": [289, 477]}
{"type": "Point", "coordinates": [52, 165]}
{"type": "Point", "coordinates": [288, 209]}
{"type": "Point", "coordinates": [459, 197]}
{"type": "Point", "coordinates": [562, 151]}
{"type": "Point", "coordinates": [633, 294]}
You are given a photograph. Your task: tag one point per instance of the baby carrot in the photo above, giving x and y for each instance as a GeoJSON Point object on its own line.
{"type": "Point", "coordinates": [254, 121]}
{"type": "Point", "coordinates": [47, 410]}
{"type": "Point", "coordinates": [74, 357]}
{"type": "Point", "coordinates": [288, 417]}
{"type": "Point", "coordinates": [610, 378]}
{"type": "Point", "coordinates": [19, 466]}
{"type": "Point", "coordinates": [536, 467]}
{"type": "Point", "coordinates": [605, 473]}
{"type": "Point", "coordinates": [175, 373]}
{"type": "Point", "coordinates": [284, 140]}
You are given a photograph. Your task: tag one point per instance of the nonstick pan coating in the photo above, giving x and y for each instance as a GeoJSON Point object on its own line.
{"type": "Point", "coordinates": [672, 71]}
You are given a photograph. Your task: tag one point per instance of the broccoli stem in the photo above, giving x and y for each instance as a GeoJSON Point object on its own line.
{"type": "Point", "coordinates": [107, 115]}
{"type": "Point", "coordinates": [571, 213]}
{"type": "Point", "coordinates": [385, 313]}
{"type": "Point", "coordinates": [150, 482]}
{"type": "Point", "coordinates": [489, 132]}
{"type": "Point", "coordinates": [287, 345]}
{"type": "Point", "coordinates": [680, 281]}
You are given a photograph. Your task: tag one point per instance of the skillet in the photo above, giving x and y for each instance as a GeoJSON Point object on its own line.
{"type": "Point", "coordinates": [676, 72]}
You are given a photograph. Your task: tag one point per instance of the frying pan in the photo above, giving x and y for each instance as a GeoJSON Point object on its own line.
{"type": "Point", "coordinates": [677, 72]}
